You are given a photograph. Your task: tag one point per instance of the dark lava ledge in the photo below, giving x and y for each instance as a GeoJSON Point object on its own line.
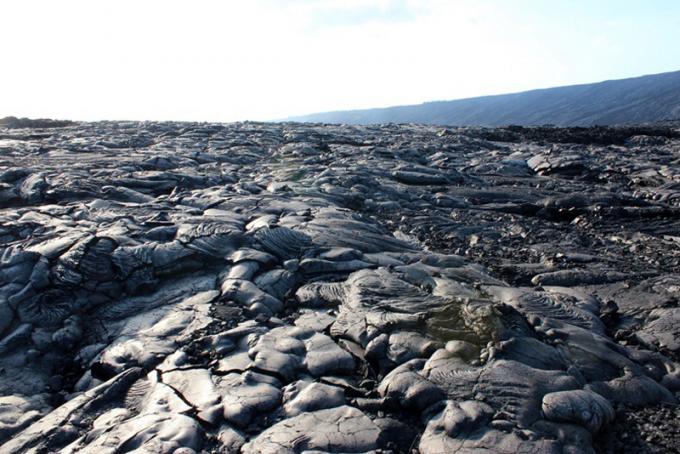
{"type": "Point", "coordinates": [287, 288]}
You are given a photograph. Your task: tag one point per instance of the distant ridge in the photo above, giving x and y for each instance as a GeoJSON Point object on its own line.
{"type": "Point", "coordinates": [644, 99]}
{"type": "Point", "coordinates": [14, 122]}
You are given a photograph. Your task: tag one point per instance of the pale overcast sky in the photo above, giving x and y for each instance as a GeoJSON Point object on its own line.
{"type": "Point", "coordinates": [267, 59]}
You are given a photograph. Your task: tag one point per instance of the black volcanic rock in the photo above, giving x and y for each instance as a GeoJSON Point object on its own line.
{"type": "Point", "coordinates": [643, 99]}
{"type": "Point", "coordinates": [255, 287]}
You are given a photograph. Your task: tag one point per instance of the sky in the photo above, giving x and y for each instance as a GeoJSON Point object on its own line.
{"type": "Point", "coordinates": [227, 60]}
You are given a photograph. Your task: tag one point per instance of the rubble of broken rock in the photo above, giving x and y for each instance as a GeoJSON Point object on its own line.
{"type": "Point", "coordinates": [266, 288]}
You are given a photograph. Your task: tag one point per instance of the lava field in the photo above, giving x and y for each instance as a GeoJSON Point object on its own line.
{"type": "Point", "coordinates": [288, 288]}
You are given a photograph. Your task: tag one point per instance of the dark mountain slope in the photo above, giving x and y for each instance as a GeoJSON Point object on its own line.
{"type": "Point", "coordinates": [636, 100]}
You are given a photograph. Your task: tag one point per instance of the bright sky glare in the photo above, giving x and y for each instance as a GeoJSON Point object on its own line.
{"type": "Point", "coordinates": [234, 60]}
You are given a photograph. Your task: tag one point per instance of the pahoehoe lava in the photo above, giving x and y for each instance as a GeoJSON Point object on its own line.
{"type": "Point", "coordinates": [288, 288]}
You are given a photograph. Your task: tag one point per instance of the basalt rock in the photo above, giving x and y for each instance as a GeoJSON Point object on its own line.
{"type": "Point", "coordinates": [254, 288]}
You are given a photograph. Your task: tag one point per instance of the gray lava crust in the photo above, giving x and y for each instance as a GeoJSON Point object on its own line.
{"type": "Point", "coordinates": [287, 288]}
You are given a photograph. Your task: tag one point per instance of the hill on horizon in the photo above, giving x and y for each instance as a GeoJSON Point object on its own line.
{"type": "Point", "coordinates": [643, 99]}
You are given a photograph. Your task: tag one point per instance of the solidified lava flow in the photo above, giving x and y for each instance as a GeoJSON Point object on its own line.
{"type": "Point", "coordinates": [288, 288]}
